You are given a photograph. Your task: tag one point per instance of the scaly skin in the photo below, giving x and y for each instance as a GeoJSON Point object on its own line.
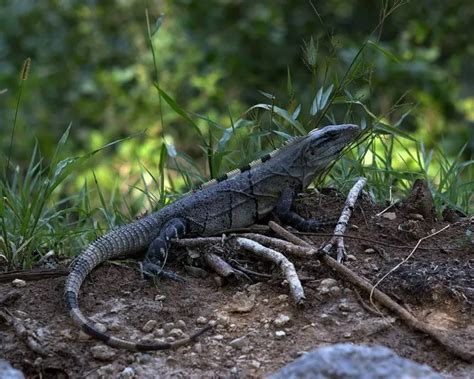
{"type": "Point", "coordinates": [236, 200]}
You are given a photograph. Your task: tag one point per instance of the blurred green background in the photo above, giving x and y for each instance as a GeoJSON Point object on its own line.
{"type": "Point", "coordinates": [92, 67]}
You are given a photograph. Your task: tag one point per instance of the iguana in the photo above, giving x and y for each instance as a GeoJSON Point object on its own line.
{"type": "Point", "coordinates": [236, 200]}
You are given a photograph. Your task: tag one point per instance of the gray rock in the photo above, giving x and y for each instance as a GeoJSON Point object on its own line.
{"type": "Point", "coordinates": [349, 361]}
{"type": "Point", "coordinates": [7, 371]}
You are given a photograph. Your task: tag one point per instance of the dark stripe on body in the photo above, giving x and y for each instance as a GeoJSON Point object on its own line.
{"type": "Point", "coordinates": [95, 333]}
{"type": "Point", "coordinates": [71, 300]}
{"type": "Point", "coordinates": [255, 200]}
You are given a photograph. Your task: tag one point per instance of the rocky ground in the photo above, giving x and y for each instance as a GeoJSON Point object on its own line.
{"type": "Point", "coordinates": [257, 328]}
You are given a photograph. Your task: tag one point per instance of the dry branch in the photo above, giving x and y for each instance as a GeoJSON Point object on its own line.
{"type": "Point", "coordinates": [281, 261]}
{"type": "Point", "coordinates": [338, 239]}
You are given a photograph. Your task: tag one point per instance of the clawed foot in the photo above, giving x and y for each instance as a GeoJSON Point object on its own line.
{"type": "Point", "coordinates": [153, 271]}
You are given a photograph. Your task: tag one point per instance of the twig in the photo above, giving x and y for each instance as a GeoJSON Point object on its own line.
{"type": "Point", "coordinates": [281, 261]}
{"type": "Point", "coordinates": [32, 274]}
{"type": "Point", "coordinates": [220, 266]}
{"type": "Point", "coordinates": [448, 343]}
{"type": "Point", "coordinates": [338, 238]}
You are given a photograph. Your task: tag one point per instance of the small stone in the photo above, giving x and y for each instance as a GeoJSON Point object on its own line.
{"type": "Point", "coordinates": [198, 347]}
{"type": "Point", "coordinates": [389, 215]}
{"type": "Point", "coordinates": [181, 324]}
{"type": "Point", "coordinates": [149, 326]}
{"type": "Point", "coordinates": [103, 353]}
{"type": "Point", "coordinates": [222, 318]}
{"type": "Point", "coordinates": [21, 314]}
{"type": "Point", "coordinates": [255, 288]}
{"type": "Point", "coordinates": [159, 332]}
{"type": "Point", "coordinates": [83, 336]}
{"type": "Point", "coordinates": [347, 335]}
{"type": "Point", "coordinates": [343, 306]}
{"type": "Point", "coordinates": [238, 343]}
{"type": "Point", "coordinates": [196, 272]}
{"type": "Point", "coordinates": [279, 334]}
{"type": "Point", "coordinates": [212, 323]}
{"type": "Point", "coordinates": [218, 337]}
{"type": "Point", "coordinates": [351, 258]}
{"type": "Point", "coordinates": [168, 326]}
{"type": "Point", "coordinates": [255, 364]}
{"type": "Point", "coordinates": [160, 297]}
{"type": "Point", "coordinates": [114, 325]}
{"type": "Point", "coordinates": [415, 216]}
{"type": "Point", "coordinates": [369, 251]}
{"type": "Point", "coordinates": [170, 339]}
{"type": "Point", "coordinates": [281, 320]}
{"type": "Point", "coordinates": [335, 291]}
{"type": "Point", "coordinates": [127, 373]}
{"type": "Point", "coordinates": [18, 283]}
{"type": "Point", "coordinates": [242, 302]}
{"type": "Point", "coordinates": [201, 320]}
{"type": "Point", "coordinates": [176, 332]}
{"type": "Point", "coordinates": [328, 282]}
{"type": "Point", "coordinates": [282, 298]}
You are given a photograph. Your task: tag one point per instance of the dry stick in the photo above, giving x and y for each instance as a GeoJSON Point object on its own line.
{"type": "Point", "coordinates": [220, 266]}
{"type": "Point", "coordinates": [281, 261]}
{"type": "Point", "coordinates": [341, 226]}
{"type": "Point", "coordinates": [32, 274]}
{"type": "Point", "coordinates": [381, 297]}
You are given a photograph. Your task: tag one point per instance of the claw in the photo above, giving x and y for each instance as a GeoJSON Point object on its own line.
{"type": "Point", "coordinates": [152, 271]}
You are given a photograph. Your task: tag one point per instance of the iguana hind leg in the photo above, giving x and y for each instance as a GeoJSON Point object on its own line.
{"type": "Point", "coordinates": [286, 215]}
{"type": "Point", "coordinates": [157, 252]}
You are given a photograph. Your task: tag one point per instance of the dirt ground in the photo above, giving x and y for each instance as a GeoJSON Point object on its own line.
{"type": "Point", "coordinates": [257, 328]}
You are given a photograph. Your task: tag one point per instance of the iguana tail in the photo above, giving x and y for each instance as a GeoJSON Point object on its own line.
{"type": "Point", "coordinates": [127, 239]}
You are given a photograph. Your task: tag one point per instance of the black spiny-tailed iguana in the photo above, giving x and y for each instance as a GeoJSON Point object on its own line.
{"type": "Point", "coordinates": [236, 200]}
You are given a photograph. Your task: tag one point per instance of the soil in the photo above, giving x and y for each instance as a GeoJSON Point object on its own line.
{"type": "Point", "coordinates": [252, 337]}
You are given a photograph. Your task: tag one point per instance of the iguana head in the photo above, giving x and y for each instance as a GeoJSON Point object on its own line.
{"type": "Point", "coordinates": [310, 155]}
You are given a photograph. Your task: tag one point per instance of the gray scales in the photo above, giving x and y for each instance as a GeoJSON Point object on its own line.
{"type": "Point", "coordinates": [237, 200]}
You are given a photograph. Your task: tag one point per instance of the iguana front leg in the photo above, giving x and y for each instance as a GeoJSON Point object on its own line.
{"type": "Point", "coordinates": [286, 215]}
{"type": "Point", "coordinates": [157, 252]}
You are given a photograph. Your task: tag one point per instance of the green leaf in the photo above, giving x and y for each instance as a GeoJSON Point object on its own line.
{"type": "Point", "coordinates": [158, 23]}
{"type": "Point", "coordinates": [174, 105]}
{"type": "Point", "coordinates": [385, 52]}
{"type": "Point", "coordinates": [282, 113]}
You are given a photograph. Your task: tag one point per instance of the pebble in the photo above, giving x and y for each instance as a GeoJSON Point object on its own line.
{"type": "Point", "coordinates": [218, 337]}
{"type": "Point", "coordinates": [181, 324]}
{"type": "Point", "coordinates": [238, 343]}
{"type": "Point", "coordinates": [279, 334]}
{"type": "Point", "coordinates": [159, 332]}
{"type": "Point", "coordinates": [100, 327]}
{"type": "Point", "coordinates": [103, 353]}
{"type": "Point", "coordinates": [83, 336]}
{"type": "Point", "coordinates": [343, 306]}
{"type": "Point", "coordinates": [201, 320]}
{"type": "Point", "coordinates": [390, 215]}
{"type": "Point", "coordinates": [255, 364]}
{"type": "Point", "coordinates": [168, 326]}
{"type": "Point", "coordinates": [198, 347]}
{"type": "Point", "coordinates": [18, 283]}
{"type": "Point", "coordinates": [282, 298]}
{"type": "Point", "coordinates": [255, 288]}
{"type": "Point", "coordinates": [369, 251]}
{"type": "Point", "coordinates": [127, 373]}
{"type": "Point", "coordinates": [160, 297]}
{"type": "Point", "coordinates": [114, 325]}
{"type": "Point", "coordinates": [176, 332]}
{"type": "Point", "coordinates": [281, 320]}
{"type": "Point", "coordinates": [351, 258]}
{"type": "Point", "coordinates": [149, 326]}
{"type": "Point", "coordinates": [415, 216]}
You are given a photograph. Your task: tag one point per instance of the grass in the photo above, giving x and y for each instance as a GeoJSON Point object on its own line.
{"type": "Point", "coordinates": [42, 209]}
